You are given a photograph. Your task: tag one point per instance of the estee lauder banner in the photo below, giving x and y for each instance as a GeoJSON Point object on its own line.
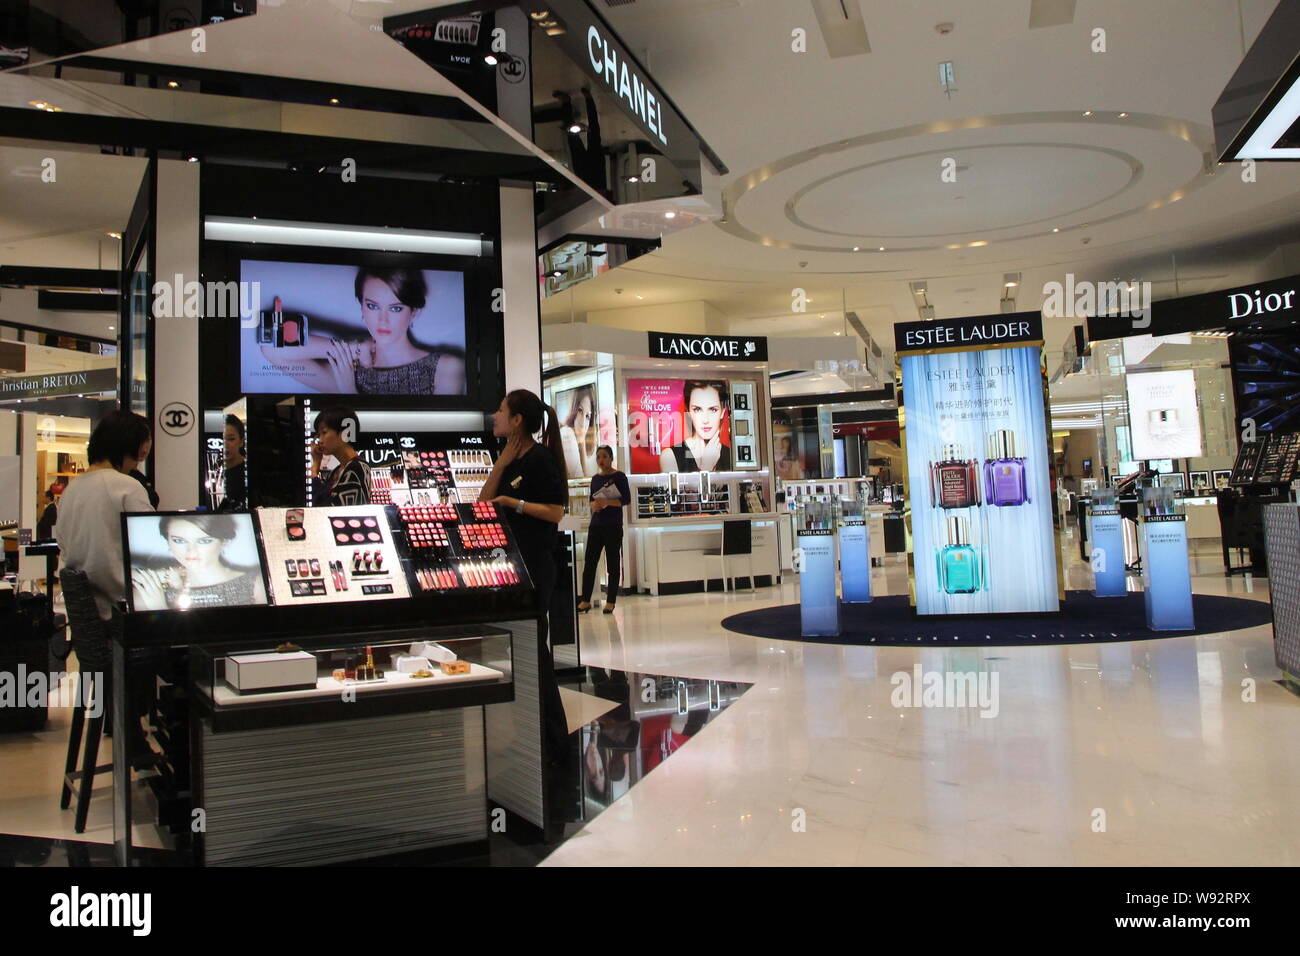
{"type": "Point", "coordinates": [971, 332]}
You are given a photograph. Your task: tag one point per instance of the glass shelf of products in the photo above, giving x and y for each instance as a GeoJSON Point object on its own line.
{"type": "Point", "coordinates": [431, 477]}
{"type": "Point", "coordinates": [245, 675]}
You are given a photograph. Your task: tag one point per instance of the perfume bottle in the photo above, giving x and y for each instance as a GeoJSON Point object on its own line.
{"type": "Point", "coordinates": [1004, 472]}
{"type": "Point", "coordinates": [953, 482]}
{"type": "Point", "coordinates": [959, 563]}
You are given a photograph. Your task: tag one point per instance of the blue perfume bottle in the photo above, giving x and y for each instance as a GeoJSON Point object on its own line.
{"type": "Point", "coordinates": [959, 563]}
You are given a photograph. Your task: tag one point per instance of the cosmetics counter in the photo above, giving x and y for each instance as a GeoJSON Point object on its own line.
{"type": "Point", "coordinates": [793, 494]}
{"type": "Point", "coordinates": [674, 518]}
{"type": "Point", "coordinates": [330, 720]}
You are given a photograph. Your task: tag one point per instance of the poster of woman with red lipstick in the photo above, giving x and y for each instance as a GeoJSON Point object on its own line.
{"type": "Point", "coordinates": [676, 425]}
{"type": "Point", "coordinates": [348, 330]}
{"type": "Point", "coordinates": [186, 560]}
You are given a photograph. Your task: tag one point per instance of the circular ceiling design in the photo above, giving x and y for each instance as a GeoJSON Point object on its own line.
{"type": "Point", "coordinates": [887, 188]}
{"type": "Point", "coordinates": [1002, 188]}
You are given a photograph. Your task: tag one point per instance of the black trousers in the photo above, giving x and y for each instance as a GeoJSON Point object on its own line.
{"type": "Point", "coordinates": [610, 539]}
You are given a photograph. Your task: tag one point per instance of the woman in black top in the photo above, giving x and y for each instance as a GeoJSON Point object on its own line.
{"type": "Point", "coordinates": [236, 474]}
{"type": "Point", "coordinates": [609, 493]}
{"type": "Point", "coordinates": [527, 485]}
{"type": "Point", "coordinates": [349, 483]}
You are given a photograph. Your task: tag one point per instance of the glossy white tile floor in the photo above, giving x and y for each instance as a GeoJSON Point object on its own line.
{"type": "Point", "coordinates": [1154, 734]}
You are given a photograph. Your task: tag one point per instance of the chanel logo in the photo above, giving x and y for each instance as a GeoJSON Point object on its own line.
{"type": "Point", "coordinates": [176, 419]}
{"type": "Point", "coordinates": [512, 69]}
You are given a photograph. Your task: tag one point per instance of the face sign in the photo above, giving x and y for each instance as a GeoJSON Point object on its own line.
{"type": "Point", "coordinates": [385, 315]}
{"type": "Point", "coordinates": [705, 409]}
{"type": "Point", "coordinates": [193, 547]}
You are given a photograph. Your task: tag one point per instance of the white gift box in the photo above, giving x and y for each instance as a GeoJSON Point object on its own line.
{"type": "Point", "coordinates": [434, 652]}
{"type": "Point", "coordinates": [259, 673]}
{"type": "Point", "coordinates": [406, 664]}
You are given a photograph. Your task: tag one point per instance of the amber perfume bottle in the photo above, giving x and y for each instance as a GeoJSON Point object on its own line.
{"type": "Point", "coordinates": [1004, 472]}
{"type": "Point", "coordinates": [954, 482]}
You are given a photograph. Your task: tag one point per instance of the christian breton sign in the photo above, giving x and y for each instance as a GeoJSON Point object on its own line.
{"type": "Point", "coordinates": [723, 348]}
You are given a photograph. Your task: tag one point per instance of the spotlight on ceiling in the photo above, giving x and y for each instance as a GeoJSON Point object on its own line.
{"type": "Point", "coordinates": [490, 59]}
{"type": "Point", "coordinates": [1010, 280]}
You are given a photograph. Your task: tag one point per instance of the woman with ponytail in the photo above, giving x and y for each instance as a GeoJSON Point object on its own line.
{"type": "Point", "coordinates": [528, 486]}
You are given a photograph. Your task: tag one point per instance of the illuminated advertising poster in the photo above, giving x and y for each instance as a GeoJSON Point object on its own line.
{"type": "Point", "coordinates": [679, 425]}
{"type": "Point", "coordinates": [977, 461]}
{"type": "Point", "coordinates": [1163, 414]}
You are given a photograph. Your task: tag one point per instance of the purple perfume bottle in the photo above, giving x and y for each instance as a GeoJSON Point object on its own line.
{"type": "Point", "coordinates": [1004, 472]}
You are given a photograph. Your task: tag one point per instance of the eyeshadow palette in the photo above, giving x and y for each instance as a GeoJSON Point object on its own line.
{"type": "Point", "coordinates": [355, 530]}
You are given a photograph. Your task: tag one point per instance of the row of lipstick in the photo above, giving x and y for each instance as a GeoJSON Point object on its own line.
{"type": "Point", "coordinates": [310, 568]}
{"type": "Point", "coordinates": [473, 574]}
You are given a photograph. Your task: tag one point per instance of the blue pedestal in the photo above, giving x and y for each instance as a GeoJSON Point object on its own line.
{"type": "Point", "coordinates": [1106, 544]}
{"type": "Point", "coordinates": [1166, 573]}
{"type": "Point", "coordinates": [855, 562]}
{"type": "Point", "coordinates": [819, 605]}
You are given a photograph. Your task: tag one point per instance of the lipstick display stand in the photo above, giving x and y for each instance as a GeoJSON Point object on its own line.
{"type": "Point", "coordinates": [388, 734]}
{"type": "Point", "coordinates": [819, 605]}
{"type": "Point", "coordinates": [1166, 572]}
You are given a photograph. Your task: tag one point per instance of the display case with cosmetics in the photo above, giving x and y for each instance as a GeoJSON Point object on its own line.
{"type": "Point", "coordinates": [309, 633]}
{"type": "Point", "coordinates": [1166, 565]}
{"type": "Point", "coordinates": [815, 559]}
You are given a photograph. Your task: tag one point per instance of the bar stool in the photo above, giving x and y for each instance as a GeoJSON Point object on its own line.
{"type": "Point", "coordinates": [90, 640]}
{"type": "Point", "coordinates": [737, 542]}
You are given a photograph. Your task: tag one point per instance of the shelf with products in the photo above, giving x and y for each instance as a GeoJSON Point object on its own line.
{"type": "Point", "coordinates": [687, 495]}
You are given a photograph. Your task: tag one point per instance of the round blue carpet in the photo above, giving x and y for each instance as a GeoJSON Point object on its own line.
{"type": "Point", "coordinates": [1083, 619]}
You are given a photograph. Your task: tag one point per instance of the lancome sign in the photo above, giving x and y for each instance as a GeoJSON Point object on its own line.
{"type": "Point", "coordinates": [676, 345]}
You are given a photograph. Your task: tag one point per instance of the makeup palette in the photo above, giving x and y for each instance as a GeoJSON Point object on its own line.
{"type": "Point", "coordinates": [363, 529]}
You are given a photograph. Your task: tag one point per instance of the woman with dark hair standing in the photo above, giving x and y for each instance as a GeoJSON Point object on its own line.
{"type": "Point", "coordinates": [236, 473]}
{"type": "Point", "coordinates": [348, 484]}
{"type": "Point", "coordinates": [610, 492]}
{"type": "Point", "coordinates": [528, 485]}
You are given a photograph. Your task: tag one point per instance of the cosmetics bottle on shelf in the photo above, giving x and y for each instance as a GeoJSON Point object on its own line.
{"type": "Point", "coordinates": [953, 480]}
{"type": "Point", "coordinates": [1004, 472]}
{"type": "Point", "coordinates": [958, 562]}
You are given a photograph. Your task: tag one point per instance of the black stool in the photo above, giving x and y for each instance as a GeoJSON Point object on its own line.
{"type": "Point", "coordinates": [90, 640]}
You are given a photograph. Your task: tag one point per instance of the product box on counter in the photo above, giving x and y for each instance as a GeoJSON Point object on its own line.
{"type": "Point", "coordinates": [274, 671]}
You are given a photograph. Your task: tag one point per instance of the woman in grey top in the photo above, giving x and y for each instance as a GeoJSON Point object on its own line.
{"type": "Point", "coordinates": [389, 362]}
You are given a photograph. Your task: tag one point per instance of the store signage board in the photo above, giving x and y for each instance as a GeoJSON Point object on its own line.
{"type": "Point", "coordinates": [977, 459]}
{"type": "Point", "coordinates": [1106, 534]}
{"type": "Point", "coordinates": [22, 388]}
{"type": "Point", "coordinates": [971, 332]}
{"type": "Point", "coordinates": [595, 49]}
{"type": "Point", "coordinates": [1264, 303]}
{"type": "Point", "coordinates": [855, 561]}
{"type": "Point", "coordinates": [723, 348]}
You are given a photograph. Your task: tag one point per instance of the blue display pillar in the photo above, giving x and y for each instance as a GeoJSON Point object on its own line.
{"type": "Point", "coordinates": [819, 605]}
{"type": "Point", "coordinates": [855, 561]}
{"type": "Point", "coordinates": [1106, 548]}
{"type": "Point", "coordinates": [1166, 569]}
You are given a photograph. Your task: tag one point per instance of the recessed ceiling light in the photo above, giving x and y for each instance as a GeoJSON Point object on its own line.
{"type": "Point", "coordinates": [1122, 115]}
{"type": "Point", "coordinates": [173, 84]}
{"type": "Point", "coordinates": [1087, 112]}
{"type": "Point", "coordinates": [115, 235]}
{"type": "Point", "coordinates": [670, 215]}
{"type": "Point", "coordinates": [334, 100]}
{"type": "Point", "coordinates": [640, 297]}
{"type": "Point", "coordinates": [490, 59]}
{"type": "Point", "coordinates": [857, 248]}
{"type": "Point", "coordinates": [575, 128]}
{"type": "Point", "coordinates": [1056, 229]}
{"type": "Point", "coordinates": [633, 179]}
{"type": "Point", "coordinates": [112, 328]}
{"type": "Point", "coordinates": [882, 248]}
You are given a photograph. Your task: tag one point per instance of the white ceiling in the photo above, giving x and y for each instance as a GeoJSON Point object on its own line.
{"type": "Point", "coordinates": [826, 154]}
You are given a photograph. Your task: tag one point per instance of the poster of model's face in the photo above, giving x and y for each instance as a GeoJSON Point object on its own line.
{"type": "Point", "coordinates": [342, 330]}
{"type": "Point", "coordinates": [580, 429]}
{"type": "Point", "coordinates": [1163, 415]}
{"type": "Point", "coordinates": [679, 425]}
{"type": "Point", "coordinates": [186, 561]}
{"type": "Point", "coordinates": [978, 482]}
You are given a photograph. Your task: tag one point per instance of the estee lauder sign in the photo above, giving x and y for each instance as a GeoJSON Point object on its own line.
{"type": "Point", "coordinates": [972, 332]}
{"type": "Point", "coordinates": [63, 383]}
{"type": "Point", "coordinates": [724, 347]}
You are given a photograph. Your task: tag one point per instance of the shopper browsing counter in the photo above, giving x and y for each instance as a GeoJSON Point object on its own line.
{"type": "Point", "coordinates": [610, 493]}
{"type": "Point", "coordinates": [349, 483]}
